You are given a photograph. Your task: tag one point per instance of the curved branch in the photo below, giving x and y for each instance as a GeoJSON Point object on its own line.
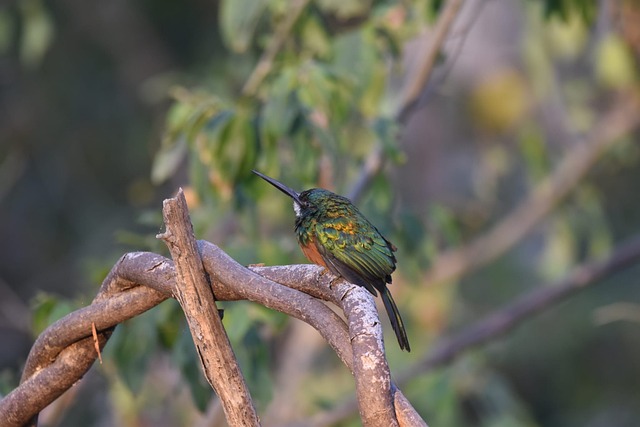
{"type": "Point", "coordinates": [504, 320]}
{"type": "Point", "coordinates": [138, 282]}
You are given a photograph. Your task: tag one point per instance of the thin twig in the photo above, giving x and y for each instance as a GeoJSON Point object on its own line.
{"type": "Point", "coordinates": [265, 63]}
{"type": "Point", "coordinates": [410, 92]}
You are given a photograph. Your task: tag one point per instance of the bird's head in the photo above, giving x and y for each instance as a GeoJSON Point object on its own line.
{"type": "Point", "coordinates": [305, 202]}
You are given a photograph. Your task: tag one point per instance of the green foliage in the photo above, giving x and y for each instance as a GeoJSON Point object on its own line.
{"type": "Point", "coordinates": [47, 309]}
{"type": "Point", "coordinates": [562, 9]}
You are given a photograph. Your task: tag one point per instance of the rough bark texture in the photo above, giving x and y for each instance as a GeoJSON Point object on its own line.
{"type": "Point", "coordinates": [194, 294]}
{"type": "Point", "coordinates": [139, 281]}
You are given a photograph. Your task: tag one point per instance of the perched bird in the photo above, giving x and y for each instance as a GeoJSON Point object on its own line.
{"type": "Point", "coordinates": [333, 233]}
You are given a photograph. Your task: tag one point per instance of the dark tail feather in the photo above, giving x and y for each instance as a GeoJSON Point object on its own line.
{"type": "Point", "coordinates": [396, 320]}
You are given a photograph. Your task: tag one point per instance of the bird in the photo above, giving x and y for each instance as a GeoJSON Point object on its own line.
{"type": "Point", "coordinates": [334, 234]}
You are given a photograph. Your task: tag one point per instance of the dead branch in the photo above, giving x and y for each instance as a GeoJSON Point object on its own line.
{"type": "Point", "coordinates": [373, 379]}
{"type": "Point", "coordinates": [500, 322]}
{"type": "Point", "coordinates": [316, 282]}
{"type": "Point", "coordinates": [219, 363]}
{"type": "Point", "coordinates": [64, 352]}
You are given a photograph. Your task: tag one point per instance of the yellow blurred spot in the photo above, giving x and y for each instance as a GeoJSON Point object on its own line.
{"type": "Point", "coordinates": [499, 101]}
{"type": "Point", "coordinates": [566, 39]}
{"type": "Point", "coordinates": [614, 63]}
{"type": "Point", "coordinates": [191, 196]}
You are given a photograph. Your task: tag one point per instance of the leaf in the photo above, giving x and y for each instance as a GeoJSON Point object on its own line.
{"type": "Point", "coordinates": [37, 33]}
{"type": "Point", "coordinates": [47, 309]}
{"type": "Point", "coordinates": [167, 160]}
{"type": "Point", "coordinates": [238, 20]}
{"type": "Point", "coordinates": [132, 345]}
{"type": "Point", "coordinates": [386, 131]}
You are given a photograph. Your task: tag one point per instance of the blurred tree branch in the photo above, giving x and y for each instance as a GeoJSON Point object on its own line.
{"type": "Point", "coordinates": [621, 119]}
{"type": "Point", "coordinates": [412, 87]}
{"type": "Point", "coordinates": [265, 63]}
{"type": "Point", "coordinates": [500, 322]}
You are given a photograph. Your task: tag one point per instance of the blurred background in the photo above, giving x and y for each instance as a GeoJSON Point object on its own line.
{"type": "Point", "coordinates": [109, 107]}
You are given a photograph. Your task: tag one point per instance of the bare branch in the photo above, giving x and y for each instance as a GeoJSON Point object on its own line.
{"type": "Point", "coordinates": [540, 202]}
{"type": "Point", "coordinates": [370, 368]}
{"type": "Point", "coordinates": [138, 282]}
{"type": "Point", "coordinates": [414, 86]}
{"type": "Point", "coordinates": [506, 319]}
{"type": "Point", "coordinates": [194, 294]}
{"type": "Point", "coordinates": [411, 90]}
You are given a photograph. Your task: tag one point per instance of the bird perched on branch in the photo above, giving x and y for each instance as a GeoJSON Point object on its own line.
{"type": "Point", "coordinates": [333, 233]}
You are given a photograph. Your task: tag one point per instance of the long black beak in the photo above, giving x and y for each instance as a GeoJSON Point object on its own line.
{"type": "Point", "coordinates": [280, 186]}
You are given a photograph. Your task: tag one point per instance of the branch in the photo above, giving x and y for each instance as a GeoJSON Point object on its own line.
{"type": "Point", "coordinates": [365, 334]}
{"type": "Point", "coordinates": [540, 202]}
{"type": "Point", "coordinates": [412, 87]}
{"type": "Point", "coordinates": [370, 368]}
{"type": "Point", "coordinates": [195, 296]}
{"type": "Point", "coordinates": [64, 352]}
{"type": "Point", "coordinates": [506, 319]}
{"type": "Point", "coordinates": [266, 60]}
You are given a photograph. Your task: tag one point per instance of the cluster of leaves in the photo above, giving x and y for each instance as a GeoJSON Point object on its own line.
{"type": "Point", "coordinates": [323, 97]}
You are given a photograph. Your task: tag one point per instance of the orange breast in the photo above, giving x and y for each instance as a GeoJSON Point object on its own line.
{"type": "Point", "coordinates": [311, 252]}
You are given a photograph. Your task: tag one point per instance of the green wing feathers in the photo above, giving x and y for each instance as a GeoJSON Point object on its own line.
{"type": "Point", "coordinates": [360, 246]}
{"type": "Point", "coordinates": [361, 255]}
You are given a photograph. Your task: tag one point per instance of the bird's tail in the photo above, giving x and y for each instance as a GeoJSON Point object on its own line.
{"type": "Point", "coordinates": [396, 320]}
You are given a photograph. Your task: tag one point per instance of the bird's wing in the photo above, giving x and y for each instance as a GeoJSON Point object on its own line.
{"type": "Point", "coordinates": [359, 254]}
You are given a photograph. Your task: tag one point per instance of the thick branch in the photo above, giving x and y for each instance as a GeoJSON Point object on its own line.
{"type": "Point", "coordinates": [194, 294]}
{"type": "Point", "coordinates": [506, 319]}
{"type": "Point", "coordinates": [373, 379]}
{"type": "Point", "coordinates": [138, 282]}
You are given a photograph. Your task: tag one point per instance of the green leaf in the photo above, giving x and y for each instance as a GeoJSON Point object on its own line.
{"type": "Point", "coordinates": [167, 160]}
{"type": "Point", "coordinates": [47, 309]}
{"type": "Point", "coordinates": [133, 344]}
{"type": "Point", "coordinates": [562, 9]}
{"type": "Point", "coordinates": [238, 20]}
{"type": "Point", "coordinates": [534, 152]}
{"type": "Point", "coordinates": [386, 131]}
{"type": "Point", "coordinates": [37, 33]}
